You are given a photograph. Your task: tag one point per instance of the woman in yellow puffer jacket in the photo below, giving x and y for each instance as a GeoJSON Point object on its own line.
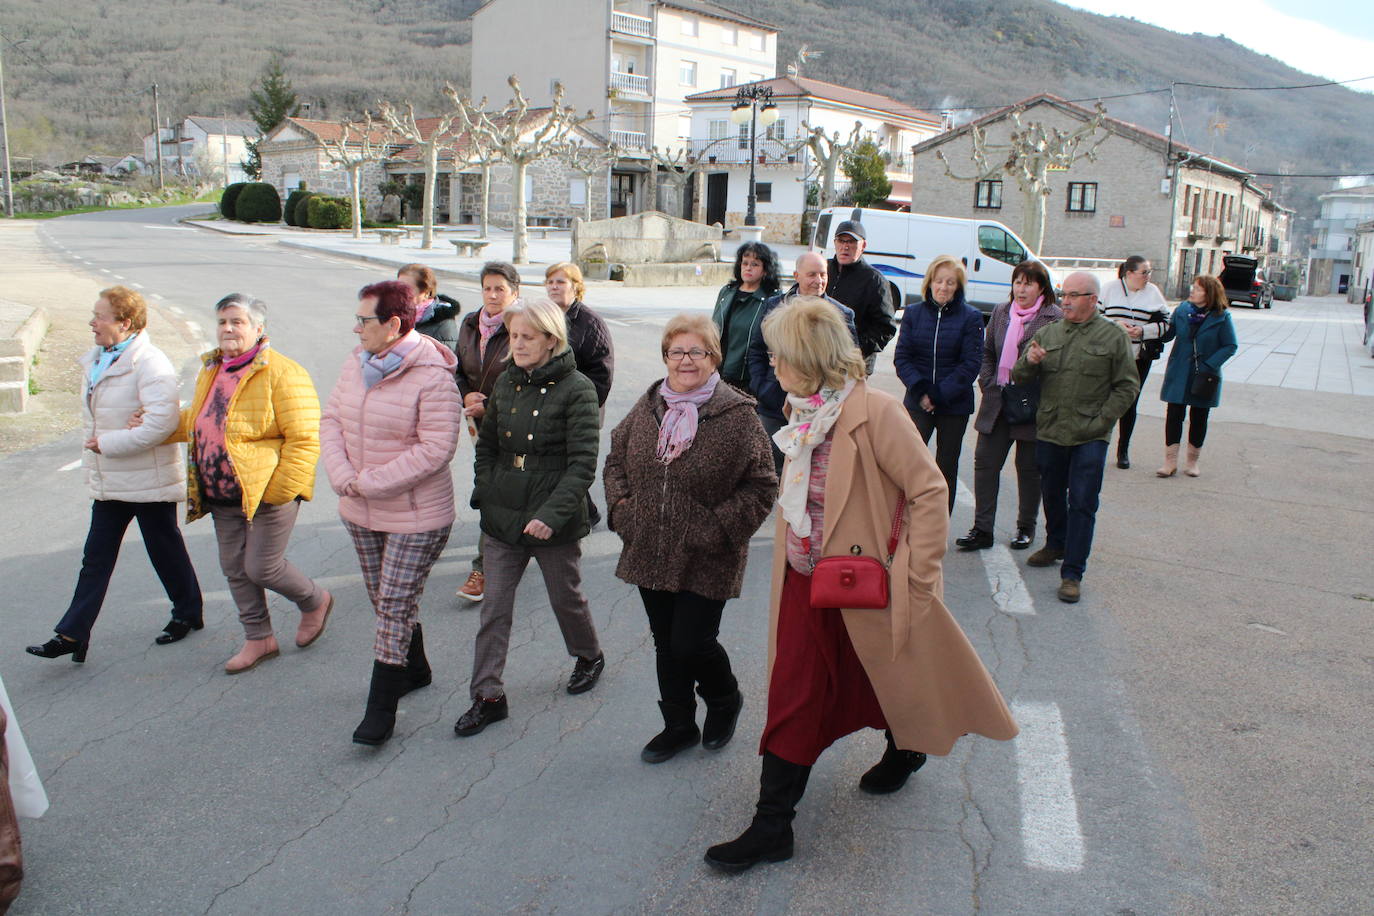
{"type": "Point", "coordinates": [254, 433]}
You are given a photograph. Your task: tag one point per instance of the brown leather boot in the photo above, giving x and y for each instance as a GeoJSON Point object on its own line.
{"type": "Point", "coordinates": [1170, 467]}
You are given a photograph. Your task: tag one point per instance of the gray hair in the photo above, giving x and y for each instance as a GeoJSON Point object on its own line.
{"type": "Point", "coordinates": [543, 316]}
{"type": "Point", "coordinates": [1094, 285]}
{"type": "Point", "coordinates": [256, 308]}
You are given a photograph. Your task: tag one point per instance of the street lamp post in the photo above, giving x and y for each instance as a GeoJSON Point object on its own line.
{"type": "Point", "coordinates": [753, 104]}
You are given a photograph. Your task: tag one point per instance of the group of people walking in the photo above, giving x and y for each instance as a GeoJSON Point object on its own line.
{"type": "Point", "coordinates": [767, 401]}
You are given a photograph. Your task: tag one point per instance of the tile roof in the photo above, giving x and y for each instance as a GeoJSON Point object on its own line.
{"type": "Point", "coordinates": [234, 127]}
{"type": "Point", "coordinates": [793, 87]}
{"type": "Point", "coordinates": [716, 11]}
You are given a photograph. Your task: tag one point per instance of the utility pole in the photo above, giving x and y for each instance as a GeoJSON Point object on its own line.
{"type": "Point", "coordinates": [157, 136]}
{"type": "Point", "coordinates": [5, 136]}
{"type": "Point", "coordinates": [224, 144]}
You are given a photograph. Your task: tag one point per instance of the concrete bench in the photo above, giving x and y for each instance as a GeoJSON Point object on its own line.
{"type": "Point", "coordinates": [468, 248]}
{"type": "Point", "coordinates": [541, 231]}
{"type": "Point", "coordinates": [390, 236]}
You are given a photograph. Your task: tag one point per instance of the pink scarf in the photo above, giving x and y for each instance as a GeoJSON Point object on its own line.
{"type": "Point", "coordinates": [238, 362]}
{"type": "Point", "coordinates": [487, 325]}
{"type": "Point", "coordinates": [679, 426]}
{"type": "Point", "coordinates": [1011, 344]}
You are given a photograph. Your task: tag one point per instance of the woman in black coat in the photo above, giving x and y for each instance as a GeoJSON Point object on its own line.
{"type": "Point", "coordinates": [939, 351]}
{"type": "Point", "coordinates": [436, 315]}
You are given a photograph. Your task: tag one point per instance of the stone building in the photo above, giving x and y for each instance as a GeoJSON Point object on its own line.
{"type": "Point", "coordinates": [295, 152]}
{"type": "Point", "coordinates": [1141, 194]}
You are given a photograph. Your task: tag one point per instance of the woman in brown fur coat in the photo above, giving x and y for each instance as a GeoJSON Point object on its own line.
{"type": "Point", "coordinates": [689, 479]}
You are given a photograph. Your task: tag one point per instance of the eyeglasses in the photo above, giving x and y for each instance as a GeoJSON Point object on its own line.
{"type": "Point", "coordinates": [1079, 295]}
{"type": "Point", "coordinates": [845, 240]}
{"type": "Point", "coordinates": [360, 321]}
{"type": "Point", "coordinates": [1146, 271]}
{"type": "Point", "coordinates": [677, 355]}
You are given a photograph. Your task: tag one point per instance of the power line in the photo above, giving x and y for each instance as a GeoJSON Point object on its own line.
{"type": "Point", "coordinates": [1359, 79]}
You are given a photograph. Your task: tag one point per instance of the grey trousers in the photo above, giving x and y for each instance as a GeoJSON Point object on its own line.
{"type": "Point", "coordinates": [253, 558]}
{"type": "Point", "coordinates": [561, 567]}
{"type": "Point", "coordinates": [989, 454]}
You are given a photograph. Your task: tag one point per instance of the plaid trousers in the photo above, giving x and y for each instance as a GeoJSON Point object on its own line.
{"type": "Point", "coordinates": [395, 567]}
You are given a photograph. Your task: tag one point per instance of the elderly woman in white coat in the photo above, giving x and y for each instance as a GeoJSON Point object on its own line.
{"type": "Point", "coordinates": [129, 472]}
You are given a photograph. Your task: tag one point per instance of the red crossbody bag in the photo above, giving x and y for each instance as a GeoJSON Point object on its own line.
{"type": "Point", "coordinates": [855, 581]}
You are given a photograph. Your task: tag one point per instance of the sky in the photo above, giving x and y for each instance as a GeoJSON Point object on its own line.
{"type": "Point", "coordinates": [1330, 38]}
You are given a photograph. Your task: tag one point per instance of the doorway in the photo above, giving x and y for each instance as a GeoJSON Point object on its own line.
{"type": "Point", "coordinates": [717, 187]}
{"type": "Point", "coordinates": [622, 193]}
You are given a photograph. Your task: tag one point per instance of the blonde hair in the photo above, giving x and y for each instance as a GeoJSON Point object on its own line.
{"type": "Point", "coordinates": [574, 275]}
{"type": "Point", "coordinates": [543, 316]}
{"type": "Point", "coordinates": [127, 305]}
{"type": "Point", "coordinates": [698, 324]}
{"type": "Point", "coordinates": [809, 336]}
{"type": "Point", "coordinates": [944, 260]}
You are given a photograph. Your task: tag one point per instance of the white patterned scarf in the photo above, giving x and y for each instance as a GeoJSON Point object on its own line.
{"type": "Point", "coordinates": [810, 422]}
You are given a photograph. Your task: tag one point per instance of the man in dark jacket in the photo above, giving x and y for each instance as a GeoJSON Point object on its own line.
{"type": "Point", "coordinates": [860, 286]}
{"type": "Point", "coordinates": [810, 272]}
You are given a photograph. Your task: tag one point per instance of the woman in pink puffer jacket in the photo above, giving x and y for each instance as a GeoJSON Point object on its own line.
{"type": "Point", "coordinates": [387, 435]}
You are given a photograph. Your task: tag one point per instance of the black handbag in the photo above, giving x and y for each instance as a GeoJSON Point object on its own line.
{"type": "Point", "coordinates": [1153, 349]}
{"type": "Point", "coordinates": [1205, 384]}
{"type": "Point", "coordinates": [1020, 403]}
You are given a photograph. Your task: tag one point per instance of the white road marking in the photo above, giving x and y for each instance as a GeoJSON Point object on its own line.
{"type": "Point", "coordinates": [158, 296]}
{"type": "Point", "coordinates": [170, 228]}
{"type": "Point", "coordinates": [105, 271]}
{"type": "Point", "coordinates": [136, 285]}
{"type": "Point", "coordinates": [71, 466]}
{"type": "Point", "coordinates": [623, 324]}
{"type": "Point", "coordinates": [194, 328]}
{"type": "Point", "coordinates": [175, 309]}
{"type": "Point", "coordinates": [310, 257]}
{"type": "Point", "coordinates": [1004, 576]}
{"type": "Point", "coordinates": [1051, 837]}
{"type": "Point", "coordinates": [117, 276]}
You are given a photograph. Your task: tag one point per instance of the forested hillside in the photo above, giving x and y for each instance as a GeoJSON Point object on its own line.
{"type": "Point", "coordinates": [78, 82]}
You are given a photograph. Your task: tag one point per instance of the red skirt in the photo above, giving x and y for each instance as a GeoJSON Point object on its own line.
{"type": "Point", "coordinates": [819, 691]}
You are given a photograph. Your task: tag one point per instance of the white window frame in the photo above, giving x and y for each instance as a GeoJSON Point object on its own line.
{"type": "Point", "coordinates": [718, 129]}
{"type": "Point", "coordinates": [684, 127]}
{"type": "Point", "coordinates": [686, 76]}
{"type": "Point", "coordinates": [729, 35]}
{"type": "Point", "coordinates": [728, 77]}
{"type": "Point", "coordinates": [577, 192]}
{"type": "Point", "coordinates": [689, 26]}
{"type": "Point", "coordinates": [758, 41]}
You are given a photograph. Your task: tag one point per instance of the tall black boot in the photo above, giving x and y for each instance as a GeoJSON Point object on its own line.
{"type": "Point", "coordinates": [769, 837]}
{"type": "Point", "coordinates": [417, 666]}
{"type": "Point", "coordinates": [389, 684]}
{"type": "Point", "coordinates": [679, 732]}
{"type": "Point", "coordinates": [892, 772]}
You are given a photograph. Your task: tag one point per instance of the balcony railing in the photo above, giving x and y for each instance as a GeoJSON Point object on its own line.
{"type": "Point", "coordinates": [727, 150]}
{"type": "Point", "coordinates": [630, 24]}
{"type": "Point", "coordinates": [630, 82]}
{"type": "Point", "coordinates": [1203, 226]}
{"type": "Point", "coordinates": [629, 139]}
{"type": "Point", "coordinates": [1226, 229]}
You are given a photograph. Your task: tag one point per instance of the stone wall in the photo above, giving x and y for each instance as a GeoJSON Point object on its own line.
{"type": "Point", "coordinates": [319, 174]}
{"type": "Point", "coordinates": [779, 228]}
{"type": "Point", "coordinates": [550, 200]}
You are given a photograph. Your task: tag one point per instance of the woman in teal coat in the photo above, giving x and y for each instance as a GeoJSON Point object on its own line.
{"type": "Point", "coordinates": [1204, 338]}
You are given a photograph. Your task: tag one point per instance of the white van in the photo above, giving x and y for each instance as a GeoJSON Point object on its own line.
{"type": "Point", "coordinates": [900, 245]}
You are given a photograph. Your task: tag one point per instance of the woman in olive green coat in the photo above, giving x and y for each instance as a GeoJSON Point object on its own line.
{"type": "Point", "coordinates": [536, 458]}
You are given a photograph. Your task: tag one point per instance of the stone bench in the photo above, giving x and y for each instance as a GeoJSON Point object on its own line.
{"type": "Point", "coordinates": [468, 248]}
{"type": "Point", "coordinates": [390, 236]}
{"type": "Point", "coordinates": [541, 231]}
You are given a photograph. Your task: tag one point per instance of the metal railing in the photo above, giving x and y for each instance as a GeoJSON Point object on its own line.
{"type": "Point", "coordinates": [631, 24]}
{"type": "Point", "coordinates": [726, 151]}
{"type": "Point", "coordinates": [630, 82]}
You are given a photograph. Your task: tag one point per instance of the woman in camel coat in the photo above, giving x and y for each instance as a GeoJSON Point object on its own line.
{"type": "Point", "coordinates": [854, 458]}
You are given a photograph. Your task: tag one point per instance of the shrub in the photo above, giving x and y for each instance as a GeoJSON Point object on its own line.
{"type": "Point", "coordinates": [288, 212]}
{"type": "Point", "coordinates": [331, 212]}
{"type": "Point", "coordinates": [258, 202]}
{"type": "Point", "coordinates": [300, 212]}
{"type": "Point", "coordinates": [229, 198]}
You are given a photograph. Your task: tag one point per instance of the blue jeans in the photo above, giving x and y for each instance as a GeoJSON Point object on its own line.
{"type": "Point", "coordinates": [1070, 482]}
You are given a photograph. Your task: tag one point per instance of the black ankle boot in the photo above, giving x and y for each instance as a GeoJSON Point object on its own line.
{"type": "Point", "coordinates": [389, 683]}
{"type": "Point", "coordinates": [769, 837]}
{"type": "Point", "coordinates": [679, 733]}
{"type": "Point", "coordinates": [59, 646]}
{"type": "Point", "coordinates": [892, 772]}
{"type": "Point", "coordinates": [418, 673]}
{"type": "Point", "coordinates": [721, 715]}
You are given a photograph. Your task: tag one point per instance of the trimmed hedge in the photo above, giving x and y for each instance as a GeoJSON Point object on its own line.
{"type": "Point", "coordinates": [300, 212]}
{"type": "Point", "coordinates": [229, 198]}
{"type": "Point", "coordinates": [288, 211]}
{"type": "Point", "coordinates": [258, 203]}
{"type": "Point", "coordinates": [331, 212]}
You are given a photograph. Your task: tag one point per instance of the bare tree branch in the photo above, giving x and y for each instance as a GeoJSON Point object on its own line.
{"type": "Point", "coordinates": [358, 145]}
{"type": "Point", "coordinates": [402, 122]}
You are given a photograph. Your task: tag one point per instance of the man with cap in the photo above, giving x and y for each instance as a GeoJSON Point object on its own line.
{"type": "Point", "coordinates": [860, 286]}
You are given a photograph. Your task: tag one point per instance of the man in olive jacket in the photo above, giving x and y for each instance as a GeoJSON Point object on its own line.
{"type": "Point", "coordinates": [1087, 381]}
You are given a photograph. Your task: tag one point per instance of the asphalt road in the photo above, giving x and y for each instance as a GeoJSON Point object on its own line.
{"type": "Point", "coordinates": [1195, 732]}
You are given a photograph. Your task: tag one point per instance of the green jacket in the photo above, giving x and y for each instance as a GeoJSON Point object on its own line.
{"type": "Point", "coordinates": [1088, 379]}
{"type": "Point", "coordinates": [536, 453]}
{"type": "Point", "coordinates": [736, 326]}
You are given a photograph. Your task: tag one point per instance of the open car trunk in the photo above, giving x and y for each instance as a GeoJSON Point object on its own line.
{"type": "Point", "coordinates": [1238, 274]}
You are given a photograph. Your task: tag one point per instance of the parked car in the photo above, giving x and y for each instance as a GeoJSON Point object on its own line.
{"type": "Point", "coordinates": [900, 245]}
{"type": "Point", "coordinates": [1244, 282]}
